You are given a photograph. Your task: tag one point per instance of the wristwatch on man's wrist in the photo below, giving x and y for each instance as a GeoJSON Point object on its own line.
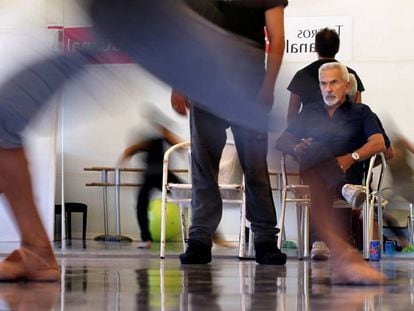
{"type": "Point", "coordinates": [355, 156]}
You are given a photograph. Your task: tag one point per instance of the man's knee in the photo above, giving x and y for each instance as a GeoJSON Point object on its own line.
{"type": "Point", "coordinates": [316, 153]}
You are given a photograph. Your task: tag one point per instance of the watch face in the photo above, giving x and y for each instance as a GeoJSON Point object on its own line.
{"type": "Point", "coordinates": [355, 156]}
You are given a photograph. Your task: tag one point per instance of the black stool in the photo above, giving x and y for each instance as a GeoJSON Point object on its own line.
{"type": "Point", "coordinates": [70, 208]}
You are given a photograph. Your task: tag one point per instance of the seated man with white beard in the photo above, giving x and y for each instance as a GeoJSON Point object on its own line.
{"type": "Point", "coordinates": [330, 139]}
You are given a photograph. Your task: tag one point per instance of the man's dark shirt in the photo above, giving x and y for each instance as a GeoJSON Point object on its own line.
{"type": "Point", "coordinates": [305, 83]}
{"type": "Point", "coordinates": [348, 129]}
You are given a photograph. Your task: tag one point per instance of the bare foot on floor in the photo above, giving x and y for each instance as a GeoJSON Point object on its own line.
{"type": "Point", "coordinates": [29, 265]}
{"type": "Point", "coordinates": [349, 268]}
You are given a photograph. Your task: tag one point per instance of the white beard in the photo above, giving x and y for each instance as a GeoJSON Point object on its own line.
{"type": "Point", "coordinates": [331, 101]}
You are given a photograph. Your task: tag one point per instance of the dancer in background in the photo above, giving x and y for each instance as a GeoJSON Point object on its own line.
{"type": "Point", "coordinates": [154, 148]}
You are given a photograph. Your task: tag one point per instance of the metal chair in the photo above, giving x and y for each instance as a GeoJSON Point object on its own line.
{"type": "Point", "coordinates": [302, 198]}
{"type": "Point", "coordinates": [411, 224]}
{"type": "Point", "coordinates": [373, 200]}
{"type": "Point", "coordinates": [181, 194]}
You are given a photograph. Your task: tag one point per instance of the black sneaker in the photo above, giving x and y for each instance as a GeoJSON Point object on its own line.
{"type": "Point", "coordinates": [267, 253]}
{"type": "Point", "coordinates": [196, 253]}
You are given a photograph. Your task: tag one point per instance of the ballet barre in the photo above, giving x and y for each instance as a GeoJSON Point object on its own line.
{"type": "Point", "coordinates": [106, 237]}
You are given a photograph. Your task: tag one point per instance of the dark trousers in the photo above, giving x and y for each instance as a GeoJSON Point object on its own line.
{"type": "Point", "coordinates": [151, 182]}
{"type": "Point", "coordinates": [208, 137]}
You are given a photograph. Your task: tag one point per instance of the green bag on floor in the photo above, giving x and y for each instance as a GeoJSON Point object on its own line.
{"type": "Point", "coordinates": [289, 244]}
{"type": "Point", "coordinates": [408, 249]}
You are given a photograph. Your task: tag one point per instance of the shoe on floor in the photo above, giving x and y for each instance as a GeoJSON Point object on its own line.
{"type": "Point", "coordinates": [196, 253]}
{"type": "Point", "coordinates": [144, 244]}
{"type": "Point", "coordinates": [320, 252]}
{"type": "Point", "coordinates": [267, 253]}
{"type": "Point", "coordinates": [354, 195]}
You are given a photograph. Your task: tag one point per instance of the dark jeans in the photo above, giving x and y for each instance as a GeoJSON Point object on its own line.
{"type": "Point", "coordinates": [208, 137]}
{"type": "Point", "coordinates": [150, 182]}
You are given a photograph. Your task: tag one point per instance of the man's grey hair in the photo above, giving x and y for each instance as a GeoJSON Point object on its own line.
{"type": "Point", "coordinates": [335, 65]}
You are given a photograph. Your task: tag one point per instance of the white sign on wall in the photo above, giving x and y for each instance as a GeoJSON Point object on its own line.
{"type": "Point", "coordinates": [300, 36]}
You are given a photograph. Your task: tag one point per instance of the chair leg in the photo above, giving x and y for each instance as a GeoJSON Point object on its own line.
{"type": "Point", "coordinates": [242, 233]}
{"type": "Point", "coordinates": [69, 224]}
{"type": "Point", "coordinates": [84, 223]}
{"type": "Point", "coordinates": [300, 229]}
{"type": "Point", "coordinates": [380, 221]}
{"type": "Point", "coordinates": [184, 226]}
{"type": "Point", "coordinates": [282, 219]}
{"type": "Point", "coordinates": [367, 228]}
{"type": "Point", "coordinates": [163, 222]}
{"type": "Point", "coordinates": [306, 231]}
{"type": "Point", "coordinates": [251, 243]}
{"type": "Point", "coordinates": [411, 224]}
{"type": "Point", "coordinates": [55, 227]}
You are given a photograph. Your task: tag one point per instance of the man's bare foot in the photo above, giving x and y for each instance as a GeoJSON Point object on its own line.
{"type": "Point", "coordinates": [29, 265]}
{"type": "Point", "coordinates": [350, 268]}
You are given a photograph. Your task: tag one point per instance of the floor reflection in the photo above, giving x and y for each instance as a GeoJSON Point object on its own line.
{"type": "Point", "coordinates": [29, 296]}
{"type": "Point", "coordinates": [106, 281]}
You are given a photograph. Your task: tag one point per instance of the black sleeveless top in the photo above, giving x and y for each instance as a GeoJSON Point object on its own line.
{"type": "Point", "coordinates": [242, 17]}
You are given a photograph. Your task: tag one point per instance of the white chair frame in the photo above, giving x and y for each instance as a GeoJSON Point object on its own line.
{"type": "Point", "coordinates": [373, 200]}
{"type": "Point", "coordinates": [302, 199]}
{"type": "Point", "coordinates": [186, 200]}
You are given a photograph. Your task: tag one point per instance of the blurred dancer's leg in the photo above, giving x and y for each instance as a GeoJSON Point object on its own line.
{"type": "Point", "coordinates": [176, 45]}
{"type": "Point", "coordinates": [216, 69]}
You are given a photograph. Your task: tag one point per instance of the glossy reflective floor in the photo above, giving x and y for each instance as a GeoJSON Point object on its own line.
{"type": "Point", "coordinates": [117, 276]}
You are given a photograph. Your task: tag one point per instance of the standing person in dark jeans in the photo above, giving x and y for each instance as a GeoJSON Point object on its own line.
{"type": "Point", "coordinates": [154, 149]}
{"type": "Point", "coordinates": [208, 136]}
{"type": "Point", "coordinates": [304, 87]}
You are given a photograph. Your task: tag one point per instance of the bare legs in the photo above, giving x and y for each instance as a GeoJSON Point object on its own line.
{"type": "Point", "coordinates": [347, 265]}
{"type": "Point", "coordinates": [15, 183]}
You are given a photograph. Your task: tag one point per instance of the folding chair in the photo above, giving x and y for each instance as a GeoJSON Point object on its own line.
{"type": "Point", "coordinates": [302, 198]}
{"type": "Point", "coordinates": [181, 193]}
{"type": "Point", "coordinates": [411, 225]}
{"type": "Point", "coordinates": [373, 200]}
